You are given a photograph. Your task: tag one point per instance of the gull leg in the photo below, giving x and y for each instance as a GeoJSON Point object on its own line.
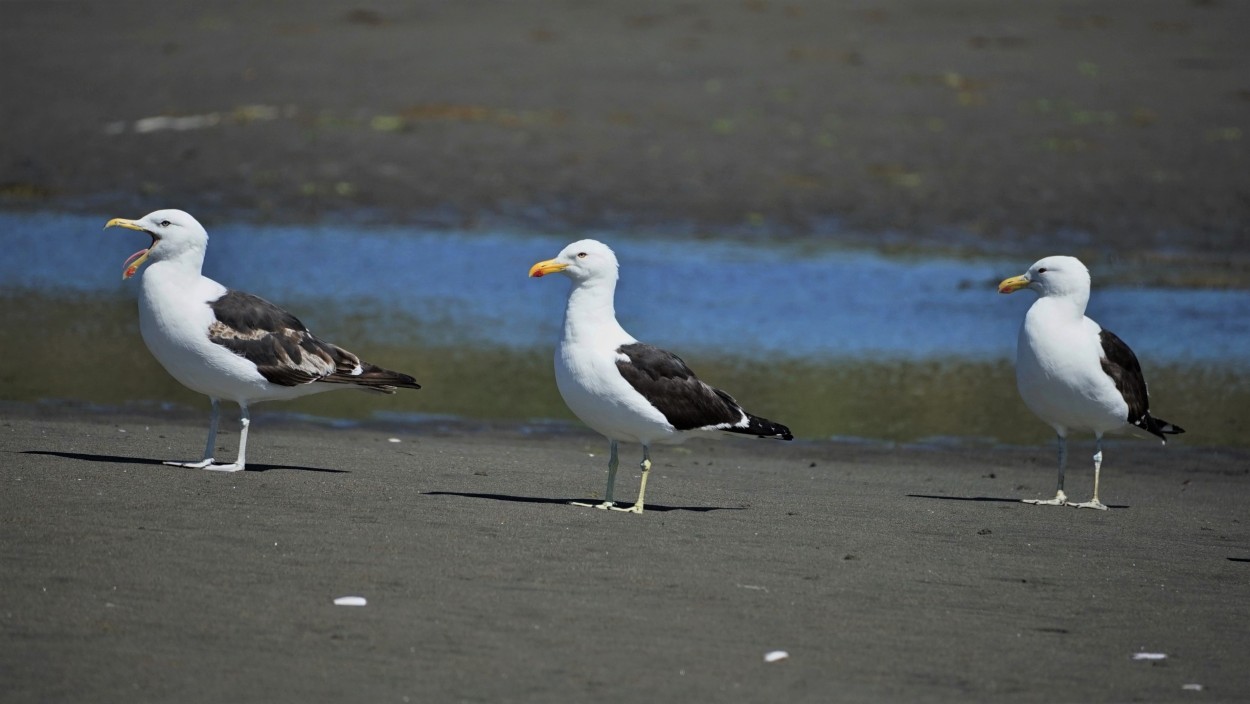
{"type": "Point", "coordinates": [208, 447]}
{"type": "Point", "coordinates": [607, 494]}
{"type": "Point", "coordinates": [1094, 502]}
{"type": "Point", "coordinates": [1060, 497]}
{"type": "Point", "coordinates": [240, 462]}
{"type": "Point", "coordinates": [645, 465]}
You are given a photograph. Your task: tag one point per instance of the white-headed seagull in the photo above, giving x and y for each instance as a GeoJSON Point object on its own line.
{"type": "Point", "coordinates": [625, 389]}
{"type": "Point", "coordinates": [228, 344]}
{"type": "Point", "coordinates": [1072, 373]}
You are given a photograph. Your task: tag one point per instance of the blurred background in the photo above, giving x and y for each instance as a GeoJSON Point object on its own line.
{"type": "Point", "coordinates": [812, 201]}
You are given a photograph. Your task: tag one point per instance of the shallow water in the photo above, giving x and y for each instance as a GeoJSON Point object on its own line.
{"type": "Point", "coordinates": [834, 343]}
{"type": "Point", "coordinates": [403, 286]}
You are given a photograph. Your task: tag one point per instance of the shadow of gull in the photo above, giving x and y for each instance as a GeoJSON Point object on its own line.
{"type": "Point", "coordinates": [991, 499]}
{"type": "Point", "coordinates": [256, 467]}
{"type": "Point", "coordinates": [659, 508]}
{"type": "Point", "coordinates": [964, 498]}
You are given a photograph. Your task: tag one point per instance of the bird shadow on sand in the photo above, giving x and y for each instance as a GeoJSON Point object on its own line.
{"type": "Point", "coordinates": [987, 499]}
{"type": "Point", "coordinates": [113, 459]}
{"type": "Point", "coordinates": [658, 508]}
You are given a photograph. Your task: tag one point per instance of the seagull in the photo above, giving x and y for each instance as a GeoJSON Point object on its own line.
{"type": "Point", "coordinates": [228, 344]}
{"type": "Point", "coordinates": [627, 390]}
{"type": "Point", "coordinates": [1072, 373]}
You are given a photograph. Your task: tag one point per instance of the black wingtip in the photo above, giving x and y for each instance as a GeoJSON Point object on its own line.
{"type": "Point", "coordinates": [1158, 427]}
{"type": "Point", "coordinates": [764, 428]}
{"type": "Point", "coordinates": [406, 382]}
{"type": "Point", "coordinates": [402, 381]}
{"type": "Point", "coordinates": [376, 378]}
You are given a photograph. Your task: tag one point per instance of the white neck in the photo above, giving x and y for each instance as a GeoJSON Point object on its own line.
{"type": "Point", "coordinates": [591, 312]}
{"type": "Point", "coordinates": [1072, 302]}
{"type": "Point", "coordinates": [175, 278]}
{"type": "Point", "coordinates": [187, 261]}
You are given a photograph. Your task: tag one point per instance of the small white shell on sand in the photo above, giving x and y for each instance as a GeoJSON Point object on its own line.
{"type": "Point", "coordinates": [775, 655]}
{"type": "Point", "coordinates": [350, 601]}
{"type": "Point", "coordinates": [393, 440]}
{"type": "Point", "coordinates": [1149, 656]}
{"type": "Point", "coordinates": [1192, 687]}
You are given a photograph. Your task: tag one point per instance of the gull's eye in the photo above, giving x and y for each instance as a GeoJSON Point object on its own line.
{"type": "Point", "coordinates": [1042, 270]}
{"type": "Point", "coordinates": [581, 255]}
{"type": "Point", "coordinates": [164, 223]}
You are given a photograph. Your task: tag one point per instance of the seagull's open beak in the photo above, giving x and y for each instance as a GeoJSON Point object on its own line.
{"type": "Point", "coordinates": [1013, 284]}
{"type": "Point", "coordinates": [136, 260]}
{"type": "Point", "coordinates": [550, 266]}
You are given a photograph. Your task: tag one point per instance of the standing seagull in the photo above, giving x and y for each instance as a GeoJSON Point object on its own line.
{"type": "Point", "coordinates": [627, 390]}
{"type": "Point", "coordinates": [229, 344]}
{"type": "Point", "coordinates": [1072, 373]}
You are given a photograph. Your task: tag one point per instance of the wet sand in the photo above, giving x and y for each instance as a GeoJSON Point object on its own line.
{"type": "Point", "coordinates": [887, 573]}
{"type": "Point", "coordinates": [1117, 129]}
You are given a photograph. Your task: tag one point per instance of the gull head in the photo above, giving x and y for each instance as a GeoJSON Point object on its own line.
{"type": "Point", "coordinates": [584, 260]}
{"type": "Point", "coordinates": [1052, 276]}
{"type": "Point", "coordinates": [173, 232]}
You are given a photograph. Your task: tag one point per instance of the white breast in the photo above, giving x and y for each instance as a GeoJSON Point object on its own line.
{"type": "Point", "coordinates": [595, 391]}
{"type": "Point", "coordinates": [1059, 372]}
{"type": "Point", "coordinates": [174, 317]}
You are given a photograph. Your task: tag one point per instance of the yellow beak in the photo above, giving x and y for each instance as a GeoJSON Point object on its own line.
{"type": "Point", "coordinates": [123, 222]}
{"type": "Point", "coordinates": [136, 260]}
{"type": "Point", "coordinates": [1013, 284]}
{"type": "Point", "coordinates": [550, 266]}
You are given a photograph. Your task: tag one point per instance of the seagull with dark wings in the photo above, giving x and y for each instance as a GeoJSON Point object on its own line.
{"type": "Point", "coordinates": [228, 344]}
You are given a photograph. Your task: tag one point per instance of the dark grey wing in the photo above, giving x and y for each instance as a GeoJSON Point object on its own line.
{"type": "Point", "coordinates": [686, 402]}
{"type": "Point", "coordinates": [287, 353]}
{"type": "Point", "coordinates": [669, 385]}
{"type": "Point", "coordinates": [1119, 362]}
{"type": "Point", "coordinates": [283, 350]}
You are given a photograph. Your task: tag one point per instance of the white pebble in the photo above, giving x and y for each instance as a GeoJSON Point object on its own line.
{"type": "Point", "coordinates": [350, 601]}
{"type": "Point", "coordinates": [393, 440]}
{"type": "Point", "coordinates": [775, 655]}
{"type": "Point", "coordinates": [1192, 687]}
{"type": "Point", "coordinates": [1149, 656]}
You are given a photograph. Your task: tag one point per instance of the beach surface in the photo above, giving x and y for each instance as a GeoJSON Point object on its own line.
{"type": "Point", "coordinates": [1118, 131]}
{"type": "Point", "coordinates": [887, 573]}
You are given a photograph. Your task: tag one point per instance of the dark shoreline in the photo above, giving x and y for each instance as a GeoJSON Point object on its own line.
{"type": "Point", "coordinates": [1118, 130]}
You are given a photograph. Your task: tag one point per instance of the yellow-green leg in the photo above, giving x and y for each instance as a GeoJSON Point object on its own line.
{"type": "Point", "coordinates": [645, 465]}
{"type": "Point", "coordinates": [1094, 502]}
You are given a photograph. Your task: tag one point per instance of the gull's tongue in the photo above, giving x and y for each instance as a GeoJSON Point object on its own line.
{"type": "Point", "coordinates": [137, 259]}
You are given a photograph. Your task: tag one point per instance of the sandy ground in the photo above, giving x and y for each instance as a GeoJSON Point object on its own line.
{"type": "Point", "coordinates": [1108, 129]}
{"type": "Point", "coordinates": [1112, 130]}
{"type": "Point", "coordinates": [887, 574]}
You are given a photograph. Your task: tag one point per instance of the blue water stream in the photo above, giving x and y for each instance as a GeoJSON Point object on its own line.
{"type": "Point", "coordinates": [744, 300]}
